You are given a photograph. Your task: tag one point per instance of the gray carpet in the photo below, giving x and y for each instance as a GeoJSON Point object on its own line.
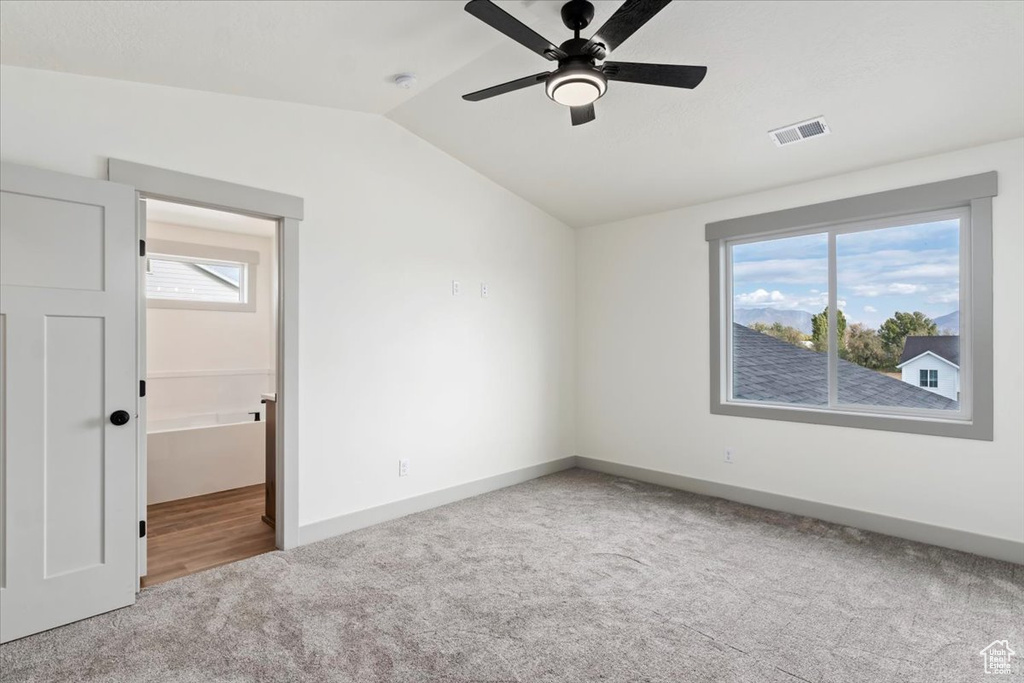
{"type": "Point", "coordinates": [574, 577]}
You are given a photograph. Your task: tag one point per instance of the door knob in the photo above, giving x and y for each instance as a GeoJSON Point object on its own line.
{"type": "Point", "coordinates": [119, 417]}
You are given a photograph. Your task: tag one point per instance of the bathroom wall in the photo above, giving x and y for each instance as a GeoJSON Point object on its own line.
{"type": "Point", "coordinates": [206, 372]}
{"type": "Point", "coordinates": [211, 362]}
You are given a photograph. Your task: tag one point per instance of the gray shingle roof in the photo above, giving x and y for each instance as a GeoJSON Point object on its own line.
{"type": "Point", "coordinates": [769, 369]}
{"type": "Point", "coordinates": [943, 346]}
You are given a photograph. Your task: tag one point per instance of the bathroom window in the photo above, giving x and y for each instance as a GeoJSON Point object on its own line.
{"type": "Point", "coordinates": [180, 275]}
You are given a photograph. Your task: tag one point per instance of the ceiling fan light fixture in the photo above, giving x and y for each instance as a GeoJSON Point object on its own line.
{"type": "Point", "coordinates": [575, 87]}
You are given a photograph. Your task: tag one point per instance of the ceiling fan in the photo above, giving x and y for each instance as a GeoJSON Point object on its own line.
{"type": "Point", "coordinates": [579, 80]}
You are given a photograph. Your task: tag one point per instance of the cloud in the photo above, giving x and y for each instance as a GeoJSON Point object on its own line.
{"type": "Point", "coordinates": [870, 309]}
{"type": "Point", "coordinates": [813, 303]}
{"type": "Point", "coordinates": [905, 288]}
{"type": "Point", "coordinates": [895, 288]}
{"type": "Point", "coordinates": [793, 271]}
{"type": "Point", "coordinates": [760, 296]}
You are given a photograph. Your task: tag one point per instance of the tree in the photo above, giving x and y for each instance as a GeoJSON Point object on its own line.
{"type": "Point", "coordinates": [895, 330]}
{"type": "Point", "coordinates": [864, 347]}
{"type": "Point", "coordinates": [780, 331]}
{"type": "Point", "coordinates": [819, 331]}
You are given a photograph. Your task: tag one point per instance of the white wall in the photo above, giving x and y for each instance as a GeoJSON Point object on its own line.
{"type": "Point", "coordinates": [643, 393]}
{"type": "Point", "coordinates": [184, 345]}
{"type": "Point", "coordinates": [391, 364]}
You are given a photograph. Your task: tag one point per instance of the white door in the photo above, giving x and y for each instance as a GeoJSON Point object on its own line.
{"type": "Point", "coordinates": [68, 255]}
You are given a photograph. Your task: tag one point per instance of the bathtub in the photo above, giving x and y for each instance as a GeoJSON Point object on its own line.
{"type": "Point", "coordinates": [196, 454]}
{"type": "Point", "coordinates": [169, 424]}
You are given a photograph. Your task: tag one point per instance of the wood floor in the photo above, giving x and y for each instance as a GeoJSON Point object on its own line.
{"type": "Point", "coordinates": [192, 534]}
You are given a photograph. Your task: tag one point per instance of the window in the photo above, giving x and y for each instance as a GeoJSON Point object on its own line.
{"type": "Point", "coordinates": [180, 275]}
{"type": "Point", "coordinates": [838, 313]}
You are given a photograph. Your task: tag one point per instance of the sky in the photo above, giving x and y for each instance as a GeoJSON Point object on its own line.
{"type": "Point", "coordinates": [907, 268]}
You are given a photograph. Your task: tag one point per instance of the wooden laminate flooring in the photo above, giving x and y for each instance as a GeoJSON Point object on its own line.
{"type": "Point", "coordinates": [193, 534]}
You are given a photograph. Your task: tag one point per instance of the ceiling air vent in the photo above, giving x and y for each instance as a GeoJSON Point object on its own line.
{"type": "Point", "coordinates": [799, 131]}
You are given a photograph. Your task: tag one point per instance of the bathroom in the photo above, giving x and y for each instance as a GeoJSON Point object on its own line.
{"type": "Point", "coordinates": [210, 355]}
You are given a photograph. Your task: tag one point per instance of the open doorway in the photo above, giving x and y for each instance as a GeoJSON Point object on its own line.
{"type": "Point", "coordinates": [210, 290]}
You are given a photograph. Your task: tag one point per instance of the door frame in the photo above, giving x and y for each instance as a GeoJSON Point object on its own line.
{"type": "Point", "coordinates": [287, 211]}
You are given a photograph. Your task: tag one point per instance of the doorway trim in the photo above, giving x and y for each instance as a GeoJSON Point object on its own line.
{"type": "Point", "coordinates": [287, 211]}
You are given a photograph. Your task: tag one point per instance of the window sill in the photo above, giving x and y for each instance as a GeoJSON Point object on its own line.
{"type": "Point", "coordinates": [956, 427]}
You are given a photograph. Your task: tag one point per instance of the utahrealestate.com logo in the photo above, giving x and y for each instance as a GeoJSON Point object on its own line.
{"type": "Point", "coordinates": [997, 657]}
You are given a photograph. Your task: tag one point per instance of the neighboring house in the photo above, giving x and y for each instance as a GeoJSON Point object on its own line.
{"type": "Point", "coordinates": [769, 369]}
{"type": "Point", "coordinates": [933, 363]}
{"type": "Point", "coordinates": [168, 278]}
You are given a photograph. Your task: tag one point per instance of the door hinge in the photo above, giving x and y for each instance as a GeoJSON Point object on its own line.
{"type": "Point", "coordinates": [142, 247]}
{"type": "Point", "coordinates": [142, 388]}
{"type": "Point", "coordinates": [142, 528]}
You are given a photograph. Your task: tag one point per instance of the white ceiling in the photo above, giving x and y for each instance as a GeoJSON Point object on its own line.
{"type": "Point", "coordinates": [211, 219]}
{"type": "Point", "coordinates": [894, 81]}
{"type": "Point", "coordinates": [334, 54]}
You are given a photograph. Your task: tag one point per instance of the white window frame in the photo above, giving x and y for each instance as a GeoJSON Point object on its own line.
{"type": "Point", "coordinates": [198, 253]}
{"type": "Point", "coordinates": [970, 200]}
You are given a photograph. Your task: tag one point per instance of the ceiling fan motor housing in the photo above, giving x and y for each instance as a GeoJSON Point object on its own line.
{"type": "Point", "coordinates": [577, 14]}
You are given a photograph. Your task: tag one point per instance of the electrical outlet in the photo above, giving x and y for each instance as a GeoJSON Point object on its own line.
{"type": "Point", "coordinates": [483, 290]}
{"type": "Point", "coordinates": [455, 288]}
{"type": "Point", "coordinates": [403, 467]}
{"type": "Point", "coordinates": [729, 453]}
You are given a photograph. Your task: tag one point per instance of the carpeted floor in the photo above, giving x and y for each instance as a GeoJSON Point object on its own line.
{"type": "Point", "coordinates": [574, 577]}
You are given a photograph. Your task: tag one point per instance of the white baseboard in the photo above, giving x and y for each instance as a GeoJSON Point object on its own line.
{"type": "Point", "coordinates": [957, 539]}
{"type": "Point", "coordinates": [318, 531]}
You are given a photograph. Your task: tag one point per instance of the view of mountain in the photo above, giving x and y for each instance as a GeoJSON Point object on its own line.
{"type": "Point", "coordinates": [949, 323]}
{"type": "Point", "coordinates": [801, 320]}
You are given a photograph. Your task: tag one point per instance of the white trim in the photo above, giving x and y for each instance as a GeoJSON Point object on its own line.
{"type": "Point", "coordinates": [207, 252]}
{"type": "Point", "coordinates": [287, 210]}
{"type": "Point", "coordinates": [186, 188]}
{"type": "Point", "coordinates": [928, 353]}
{"type": "Point", "coordinates": [832, 331]}
{"type": "Point", "coordinates": [335, 526]}
{"type": "Point", "coordinates": [969, 197]}
{"type": "Point", "coordinates": [287, 534]}
{"type": "Point", "coordinates": [1007, 549]}
{"type": "Point", "coordinates": [141, 410]}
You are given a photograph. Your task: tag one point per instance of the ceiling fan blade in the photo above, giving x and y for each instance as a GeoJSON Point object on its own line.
{"type": "Point", "coordinates": [630, 16]}
{"type": "Point", "coordinates": [672, 75]}
{"type": "Point", "coordinates": [581, 115]}
{"type": "Point", "coordinates": [524, 82]}
{"type": "Point", "coordinates": [495, 17]}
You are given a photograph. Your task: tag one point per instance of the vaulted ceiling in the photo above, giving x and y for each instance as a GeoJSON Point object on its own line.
{"type": "Point", "coordinates": [894, 81]}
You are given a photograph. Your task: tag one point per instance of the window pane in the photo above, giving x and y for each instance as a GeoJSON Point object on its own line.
{"type": "Point", "coordinates": [778, 345]}
{"type": "Point", "coordinates": [188, 280]}
{"type": "Point", "coordinates": [899, 291]}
